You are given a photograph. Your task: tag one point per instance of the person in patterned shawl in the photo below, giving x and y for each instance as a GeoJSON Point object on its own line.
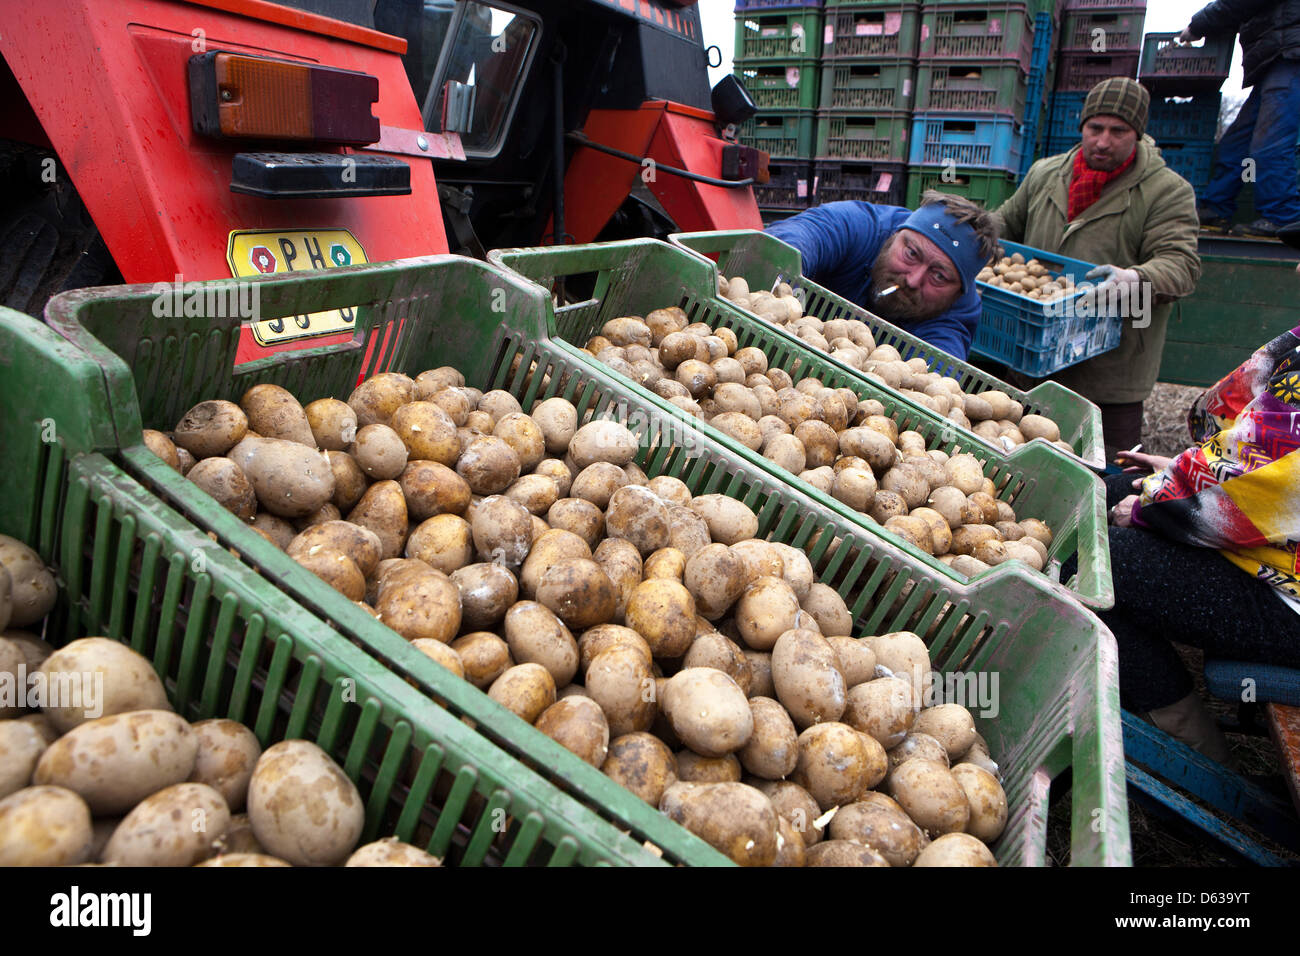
{"type": "Point", "coordinates": [1208, 553]}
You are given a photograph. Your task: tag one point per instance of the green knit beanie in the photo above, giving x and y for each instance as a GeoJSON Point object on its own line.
{"type": "Point", "coordinates": [1118, 96]}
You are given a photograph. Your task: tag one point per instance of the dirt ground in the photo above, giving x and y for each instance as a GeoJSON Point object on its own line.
{"type": "Point", "coordinates": [1164, 419]}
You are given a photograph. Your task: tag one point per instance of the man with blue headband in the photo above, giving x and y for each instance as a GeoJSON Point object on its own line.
{"type": "Point", "coordinates": [914, 269]}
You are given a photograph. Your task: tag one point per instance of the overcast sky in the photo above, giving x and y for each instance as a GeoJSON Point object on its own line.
{"type": "Point", "coordinates": [1165, 16]}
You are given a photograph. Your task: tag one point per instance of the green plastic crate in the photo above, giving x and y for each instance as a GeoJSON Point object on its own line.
{"type": "Point", "coordinates": [781, 84]}
{"type": "Point", "coordinates": [778, 33]}
{"type": "Point", "coordinates": [1055, 662]}
{"type": "Point", "coordinates": [228, 643]}
{"type": "Point", "coordinates": [783, 135]}
{"type": "Point", "coordinates": [989, 188]}
{"type": "Point", "coordinates": [635, 276]}
{"type": "Point", "coordinates": [971, 86]}
{"type": "Point", "coordinates": [762, 259]}
{"type": "Point", "coordinates": [990, 30]}
{"type": "Point", "coordinates": [887, 83]}
{"type": "Point", "coordinates": [875, 136]}
{"type": "Point", "coordinates": [871, 30]}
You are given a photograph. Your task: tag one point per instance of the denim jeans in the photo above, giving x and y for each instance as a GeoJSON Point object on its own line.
{"type": "Point", "coordinates": [1265, 130]}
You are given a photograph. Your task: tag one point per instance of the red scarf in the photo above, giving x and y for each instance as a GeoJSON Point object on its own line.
{"type": "Point", "coordinates": [1087, 183]}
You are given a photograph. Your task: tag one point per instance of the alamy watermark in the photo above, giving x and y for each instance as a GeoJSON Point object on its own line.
{"type": "Point", "coordinates": [74, 690]}
{"type": "Point", "coordinates": [239, 300]}
{"type": "Point", "coordinates": [1127, 301]}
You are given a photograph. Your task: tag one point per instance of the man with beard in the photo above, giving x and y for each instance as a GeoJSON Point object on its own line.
{"type": "Point", "coordinates": [914, 269]}
{"type": "Point", "coordinates": [1112, 200]}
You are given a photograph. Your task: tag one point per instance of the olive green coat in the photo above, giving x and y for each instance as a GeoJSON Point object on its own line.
{"type": "Point", "coordinates": [1145, 219]}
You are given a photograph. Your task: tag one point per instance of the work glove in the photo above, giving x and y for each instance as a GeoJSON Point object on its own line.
{"type": "Point", "coordinates": [1104, 298]}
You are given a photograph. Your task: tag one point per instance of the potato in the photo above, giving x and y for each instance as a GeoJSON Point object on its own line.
{"type": "Point", "coordinates": [558, 421]}
{"type": "Point", "coordinates": [884, 708]}
{"type": "Point", "coordinates": [579, 592]}
{"type": "Point", "coordinates": [692, 768]}
{"type": "Point", "coordinates": [441, 654]}
{"type": "Point", "coordinates": [828, 610]}
{"type": "Point", "coordinates": [360, 544]}
{"type": "Point", "coordinates": [990, 551]}
{"type": "Point", "coordinates": [578, 724]}
{"type": "Point", "coordinates": [708, 711]}
{"type": "Point", "coordinates": [349, 480]}
{"type": "Point", "coordinates": [772, 750]}
{"type": "Point", "coordinates": [930, 795]}
{"type": "Point", "coordinates": [715, 650]}
{"type": "Point", "coordinates": [488, 465]}
{"type": "Point", "coordinates": [956, 849]}
{"type": "Point", "coordinates": [32, 588]}
{"type": "Point", "coordinates": [598, 482]}
{"type": "Point", "coordinates": [638, 515]}
{"type": "Point", "coordinates": [728, 520]}
{"type": "Point", "coordinates": [162, 446]}
{"type": "Point", "coordinates": [484, 656]}
{"type": "Point", "coordinates": [525, 689]}
{"type": "Point", "coordinates": [643, 764]}
{"type": "Point", "coordinates": [274, 413]}
{"type": "Point", "coordinates": [620, 681]}
{"type": "Point", "coordinates": [735, 819]}
{"type": "Point", "coordinates": [1038, 426]}
{"type": "Point", "coordinates": [765, 611]}
{"type": "Point", "coordinates": [622, 564]}
{"type": "Point", "coordinates": [856, 487]}
{"type": "Point", "coordinates": [1025, 552]}
{"type": "Point", "coordinates": [423, 605]}
{"type": "Point", "coordinates": [290, 479]}
{"type": "Point", "coordinates": [716, 579]}
{"type": "Point", "coordinates": [987, 800]}
{"type": "Point", "coordinates": [115, 762]}
{"type": "Point", "coordinates": [44, 826]}
{"type": "Point", "coordinates": [486, 592]}
{"type": "Point", "coordinates": [687, 531]}
{"type": "Point", "coordinates": [432, 381]}
{"type": "Point", "coordinates": [97, 677]}
{"type": "Point", "coordinates": [391, 852]}
{"type": "Point", "coordinates": [870, 445]}
{"type": "Point", "coordinates": [174, 827]}
{"type": "Point", "coordinates": [211, 428]}
{"type": "Point", "coordinates": [503, 531]}
{"type": "Point", "coordinates": [917, 746]}
{"type": "Point", "coordinates": [550, 548]}
{"type": "Point", "coordinates": [536, 635]}
{"type": "Point", "coordinates": [444, 542]}
{"type": "Point", "coordinates": [965, 473]}
{"type": "Point", "coordinates": [878, 822]}
{"type": "Point", "coordinates": [798, 571]}
{"type": "Point", "coordinates": [806, 677]}
{"type": "Point", "coordinates": [843, 853]}
{"type": "Point", "coordinates": [326, 512]}
{"type": "Point", "coordinates": [1032, 528]}
{"type": "Point", "coordinates": [227, 753]}
{"type": "Point", "coordinates": [834, 764]}
{"type": "Point", "coordinates": [333, 423]}
{"type": "Point", "coordinates": [857, 661]}
{"type": "Point", "coordinates": [903, 654]}
{"type": "Point", "coordinates": [302, 806]}
{"type": "Point", "coordinates": [950, 724]}
{"type": "Point", "coordinates": [604, 441]}
{"type": "Point", "coordinates": [663, 612]}
{"type": "Point", "coordinates": [21, 746]}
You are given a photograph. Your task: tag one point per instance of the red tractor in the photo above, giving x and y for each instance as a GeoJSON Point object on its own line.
{"type": "Point", "coordinates": [169, 142]}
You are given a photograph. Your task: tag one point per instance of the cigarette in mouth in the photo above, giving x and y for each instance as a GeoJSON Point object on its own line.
{"type": "Point", "coordinates": [884, 292]}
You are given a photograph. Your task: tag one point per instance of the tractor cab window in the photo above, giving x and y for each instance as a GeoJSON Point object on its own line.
{"type": "Point", "coordinates": [480, 74]}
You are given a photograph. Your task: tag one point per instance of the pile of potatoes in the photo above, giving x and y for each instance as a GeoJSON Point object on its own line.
{"type": "Point", "coordinates": [138, 785]}
{"type": "Point", "coordinates": [27, 588]}
{"type": "Point", "coordinates": [991, 414]}
{"type": "Point", "coordinates": [839, 444]}
{"type": "Point", "coordinates": [1030, 279]}
{"type": "Point", "coordinates": [645, 629]}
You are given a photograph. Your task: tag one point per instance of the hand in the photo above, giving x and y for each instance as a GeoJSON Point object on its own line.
{"type": "Point", "coordinates": [1121, 516]}
{"type": "Point", "coordinates": [1141, 461]}
{"type": "Point", "coordinates": [1186, 36]}
{"type": "Point", "coordinates": [1112, 279]}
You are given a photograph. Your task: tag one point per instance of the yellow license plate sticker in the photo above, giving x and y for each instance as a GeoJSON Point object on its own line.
{"type": "Point", "coordinates": [258, 252]}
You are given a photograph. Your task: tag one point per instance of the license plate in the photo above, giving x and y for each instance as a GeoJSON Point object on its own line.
{"type": "Point", "coordinates": [258, 252]}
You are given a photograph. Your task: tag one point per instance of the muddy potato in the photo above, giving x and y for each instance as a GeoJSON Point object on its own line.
{"type": "Point", "coordinates": [787, 451]}
{"type": "Point", "coordinates": [434, 380]}
{"type": "Point", "coordinates": [906, 480]}
{"type": "Point", "coordinates": [692, 768]}
{"type": "Point", "coordinates": [440, 653]}
{"type": "Point", "coordinates": [637, 514]}
{"type": "Point", "coordinates": [765, 611]}
{"type": "Point", "coordinates": [163, 447]}
{"type": "Point", "coordinates": [349, 480]}
{"type": "Point", "coordinates": [821, 444]}
{"type": "Point", "coordinates": [21, 746]}
{"type": "Point", "coordinates": [806, 677]}
{"type": "Point", "coordinates": [579, 517]}
{"type": "Point", "coordinates": [359, 543]}
{"type": "Point", "coordinates": [991, 551]}
{"type": "Point", "coordinates": [598, 482]}
{"type": "Point", "coordinates": [273, 412]}
{"type": "Point", "coordinates": [888, 505]}
{"type": "Point", "coordinates": [444, 542]}
{"type": "Point", "coordinates": [760, 674]}
{"type": "Point", "coordinates": [602, 441]}
{"type": "Point", "coordinates": [884, 708]}
{"type": "Point", "coordinates": [488, 465]}
{"type": "Point", "coordinates": [578, 724]}
{"type": "Point", "coordinates": [421, 605]}
{"type": "Point", "coordinates": [843, 853]}
{"type": "Point", "coordinates": [667, 563]}
{"type": "Point", "coordinates": [728, 520]}
{"type": "Point", "coordinates": [604, 636]}
{"type": "Point", "coordinates": [793, 804]}
{"type": "Point", "coordinates": [115, 762]}
{"type": "Point", "coordinates": [291, 480]}
{"type": "Point", "coordinates": [1038, 426]}
{"type": "Point", "coordinates": [833, 764]}
{"type": "Point", "coordinates": [828, 610]}
{"type": "Point", "coordinates": [772, 750]}
{"type": "Point", "coordinates": [524, 689]}
{"type": "Point", "coordinates": [426, 431]}
{"type": "Point", "coordinates": [484, 656]}
{"type": "Point", "coordinates": [716, 578]}
{"type": "Point", "coordinates": [1025, 552]}
{"type": "Point", "coordinates": [798, 570]}
{"type": "Point", "coordinates": [535, 492]}
{"type": "Point", "coordinates": [721, 653]}
{"type": "Point", "coordinates": [955, 849]}
{"type": "Point", "coordinates": [950, 724]}
{"type": "Point", "coordinates": [302, 807]}
{"type": "Point", "coordinates": [535, 635]}
{"type": "Point", "coordinates": [227, 753]}
{"type": "Point", "coordinates": [173, 827]}
{"type": "Point", "coordinates": [525, 436]}
{"type": "Point", "coordinates": [122, 679]}
{"type": "Point", "coordinates": [224, 481]}
{"type": "Point", "coordinates": [579, 592]}
{"type": "Point", "coordinates": [856, 487]}
{"type": "Point", "coordinates": [987, 800]}
{"type": "Point", "coordinates": [760, 558]}
{"type": "Point", "coordinates": [903, 654]}
{"type": "Point", "coordinates": [687, 531]}
{"type": "Point", "coordinates": [663, 612]}
{"type": "Point", "coordinates": [44, 826]}
{"type": "Point", "coordinates": [621, 562]}
{"type": "Point", "coordinates": [558, 421]}
{"type": "Point", "coordinates": [1033, 528]}
{"type": "Point", "coordinates": [210, 428]}
{"type": "Point", "coordinates": [940, 531]}
{"type": "Point", "coordinates": [643, 764]}
{"type": "Point", "coordinates": [503, 531]}
{"type": "Point", "coordinates": [823, 479]}
{"type": "Point", "coordinates": [967, 538]}
{"type": "Point", "coordinates": [878, 822]}
{"type": "Point", "coordinates": [377, 398]}
{"type": "Point", "coordinates": [391, 852]}
{"type": "Point", "coordinates": [431, 488]}
{"type": "Point", "coordinates": [965, 473]}
{"type": "Point", "coordinates": [326, 512]}
{"type": "Point", "coordinates": [735, 819]}
{"type": "Point", "coordinates": [333, 423]}
{"type": "Point", "coordinates": [930, 795]}
{"type": "Point", "coordinates": [707, 709]}
{"type": "Point", "coordinates": [620, 680]}
{"type": "Point", "coordinates": [870, 445]}
{"type": "Point", "coordinates": [553, 546]}
{"type": "Point", "coordinates": [857, 661]}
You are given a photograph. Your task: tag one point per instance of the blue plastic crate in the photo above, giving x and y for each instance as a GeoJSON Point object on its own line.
{"type": "Point", "coordinates": [982, 140]}
{"type": "Point", "coordinates": [1037, 338]}
{"type": "Point", "coordinates": [1184, 119]}
{"type": "Point", "coordinates": [1036, 88]}
{"type": "Point", "coordinates": [1191, 159]}
{"type": "Point", "coordinates": [1066, 114]}
{"type": "Point", "coordinates": [1055, 145]}
{"type": "Point", "coordinates": [1043, 30]}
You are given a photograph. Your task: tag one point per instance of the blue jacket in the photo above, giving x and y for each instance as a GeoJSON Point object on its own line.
{"type": "Point", "coordinates": [839, 241]}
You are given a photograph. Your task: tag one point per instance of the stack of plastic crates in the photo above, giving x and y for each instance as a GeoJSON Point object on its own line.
{"type": "Point", "coordinates": [1098, 39]}
{"type": "Point", "coordinates": [776, 52]}
{"type": "Point", "coordinates": [868, 92]}
{"type": "Point", "coordinates": [1184, 81]}
{"type": "Point", "coordinates": [972, 84]}
{"type": "Point", "coordinates": [1037, 86]}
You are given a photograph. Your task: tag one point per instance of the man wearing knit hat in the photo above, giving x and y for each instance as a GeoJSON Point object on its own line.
{"type": "Point", "coordinates": [915, 269]}
{"type": "Point", "coordinates": [1112, 200]}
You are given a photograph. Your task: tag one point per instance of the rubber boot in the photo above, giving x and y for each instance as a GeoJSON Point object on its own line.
{"type": "Point", "coordinates": [1190, 722]}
